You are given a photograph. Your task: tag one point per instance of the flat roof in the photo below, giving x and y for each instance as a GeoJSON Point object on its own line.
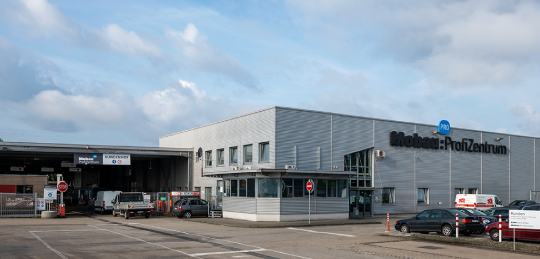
{"type": "Point", "coordinates": [81, 148]}
{"type": "Point", "coordinates": [346, 115]}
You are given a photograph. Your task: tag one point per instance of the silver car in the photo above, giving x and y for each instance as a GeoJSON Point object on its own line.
{"type": "Point", "coordinates": [190, 207]}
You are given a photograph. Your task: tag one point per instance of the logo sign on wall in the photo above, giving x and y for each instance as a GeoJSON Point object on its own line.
{"type": "Point", "coordinates": [88, 159]}
{"type": "Point", "coordinates": [116, 159]}
{"type": "Point", "coordinates": [444, 127]}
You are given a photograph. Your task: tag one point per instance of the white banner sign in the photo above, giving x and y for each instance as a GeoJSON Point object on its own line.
{"type": "Point", "coordinates": [116, 159]}
{"type": "Point", "coordinates": [527, 219]}
{"type": "Point", "coordinates": [50, 193]}
{"type": "Point", "coordinates": [40, 204]}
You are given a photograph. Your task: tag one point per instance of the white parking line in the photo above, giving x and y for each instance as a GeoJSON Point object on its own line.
{"type": "Point", "coordinates": [318, 232]}
{"type": "Point", "coordinates": [48, 246]}
{"type": "Point", "coordinates": [138, 239]}
{"type": "Point", "coordinates": [58, 230]}
{"type": "Point", "coordinates": [229, 241]}
{"type": "Point", "coordinates": [229, 252]}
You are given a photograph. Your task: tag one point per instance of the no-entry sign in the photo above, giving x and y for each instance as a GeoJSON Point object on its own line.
{"type": "Point", "coordinates": [309, 186]}
{"type": "Point", "coordinates": [62, 186]}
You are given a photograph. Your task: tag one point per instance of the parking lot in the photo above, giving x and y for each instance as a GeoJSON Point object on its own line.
{"type": "Point", "coordinates": [102, 236]}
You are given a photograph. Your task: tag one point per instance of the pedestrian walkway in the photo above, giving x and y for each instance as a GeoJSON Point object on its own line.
{"type": "Point", "coordinates": [263, 224]}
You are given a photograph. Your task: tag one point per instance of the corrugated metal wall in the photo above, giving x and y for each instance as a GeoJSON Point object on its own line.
{"type": "Point", "coordinates": [521, 167]}
{"type": "Point", "coordinates": [495, 176]}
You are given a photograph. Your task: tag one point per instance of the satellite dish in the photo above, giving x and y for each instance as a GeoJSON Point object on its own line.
{"type": "Point", "coordinates": [199, 152]}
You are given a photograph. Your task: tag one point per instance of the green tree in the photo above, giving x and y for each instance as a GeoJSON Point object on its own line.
{"type": "Point", "coordinates": [1, 140]}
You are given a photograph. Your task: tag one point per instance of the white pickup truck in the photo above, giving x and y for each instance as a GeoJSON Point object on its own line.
{"type": "Point", "coordinates": [130, 204]}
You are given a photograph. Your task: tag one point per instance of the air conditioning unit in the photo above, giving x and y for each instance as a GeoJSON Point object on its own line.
{"type": "Point", "coordinates": [380, 154]}
{"type": "Point", "coordinates": [234, 168]}
{"type": "Point", "coordinates": [290, 167]}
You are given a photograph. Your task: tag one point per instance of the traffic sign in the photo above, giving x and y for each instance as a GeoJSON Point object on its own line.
{"type": "Point", "coordinates": [49, 192]}
{"type": "Point", "coordinates": [62, 186]}
{"type": "Point", "coordinates": [309, 186]}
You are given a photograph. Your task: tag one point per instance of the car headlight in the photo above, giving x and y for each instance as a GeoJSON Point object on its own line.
{"type": "Point", "coordinates": [486, 221]}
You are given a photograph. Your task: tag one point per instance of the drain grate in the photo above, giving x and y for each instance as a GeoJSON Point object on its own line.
{"type": "Point", "coordinates": [431, 247]}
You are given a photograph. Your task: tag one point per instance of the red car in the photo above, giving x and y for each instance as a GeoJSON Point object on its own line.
{"type": "Point", "coordinates": [527, 234]}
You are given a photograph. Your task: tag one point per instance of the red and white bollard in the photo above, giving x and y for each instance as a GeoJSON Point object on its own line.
{"type": "Point", "coordinates": [387, 222]}
{"type": "Point", "coordinates": [457, 225]}
{"type": "Point", "coordinates": [500, 228]}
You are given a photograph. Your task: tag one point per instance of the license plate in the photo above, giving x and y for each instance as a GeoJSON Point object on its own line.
{"type": "Point", "coordinates": [141, 212]}
{"type": "Point", "coordinates": [474, 221]}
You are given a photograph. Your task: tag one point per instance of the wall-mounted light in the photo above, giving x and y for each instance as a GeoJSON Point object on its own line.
{"type": "Point", "coordinates": [498, 139]}
{"type": "Point", "coordinates": [434, 132]}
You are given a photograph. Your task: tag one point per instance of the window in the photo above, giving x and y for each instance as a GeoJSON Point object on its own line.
{"type": "Point", "coordinates": [25, 189]}
{"type": "Point", "coordinates": [194, 202]}
{"type": "Point", "coordinates": [332, 188]}
{"type": "Point", "coordinates": [423, 196]}
{"type": "Point", "coordinates": [197, 189]}
{"type": "Point", "coordinates": [424, 214]}
{"type": "Point", "coordinates": [248, 154]}
{"type": "Point", "coordinates": [234, 188]}
{"type": "Point", "coordinates": [298, 185]}
{"type": "Point", "coordinates": [208, 193]}
{"type": "Point", "coordinates": [268, 187]}
{"type": "Point", "coordinates": [251, 187]}
{"type": "Point", "coordinates": [220, 157]}
{"type": "Point", "coordinates": [342, 189]}
{"type": "Point", "coordinates": [243, 188]}
{"type": "Point", "coordinates": [436, 214]}
{"type": "Point", "coordinates": [203, 202]}
{"type": "Point", "coordinates": [233, 155]}
{"type": "Point", "coordinates": [321, 188]}
{"type": "Point", "coordinates": [473, 191]}
{"type": "Point", "coordinates": [208, 158]}
{"type": "Point", "coordinates": [359, 162]}
{"type": "Point", "coordinates": [227, 188]}
{"type": "Point", "coordinates": [459, 191]}
{"type": "Point", "coordinates": [264, 152]}
{"type": "Point", "coordinates": [388, 195]}
{"type": "Point", "coordinates": [286, 188]}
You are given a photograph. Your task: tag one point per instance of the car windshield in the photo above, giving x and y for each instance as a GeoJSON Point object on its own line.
{"type": "Point", "coordinates": [473, 212]}
{"type": "Point", "coordinates": [460, 213]}
{"type": "Point", "coordinates": [130, 197]}
{"type": "Point", "coordinates": [517, 203]}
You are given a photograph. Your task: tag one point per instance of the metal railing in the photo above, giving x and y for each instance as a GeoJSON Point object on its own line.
{"type": "Point", "coordinates": [160, 200]}
{"type": "Point", "coordinates": [19, 205]}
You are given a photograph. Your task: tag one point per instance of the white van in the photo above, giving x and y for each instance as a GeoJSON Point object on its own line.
{"type": "Point", "coordinates": [477, 201]}
{"type": "Point", "coordinates": [103, 201]}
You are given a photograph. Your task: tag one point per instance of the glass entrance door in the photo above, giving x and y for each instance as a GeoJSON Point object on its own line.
{"type": "Point", "coordinates": [359, 204]}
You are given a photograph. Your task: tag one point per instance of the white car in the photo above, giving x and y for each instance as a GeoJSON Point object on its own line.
{"type": "Point", "coordinates": [103, 201]}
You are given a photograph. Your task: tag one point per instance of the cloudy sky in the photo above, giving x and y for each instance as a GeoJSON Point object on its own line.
{"type": "Point", "coordinates": [128, 72]}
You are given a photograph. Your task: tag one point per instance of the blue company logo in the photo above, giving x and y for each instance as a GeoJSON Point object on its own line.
{"type": "Point", "coordinates": [444, 127]}
{"type": "Point", "coordinates": [114, 161]}
{"type": "Point", "coordinates": [95, 156]}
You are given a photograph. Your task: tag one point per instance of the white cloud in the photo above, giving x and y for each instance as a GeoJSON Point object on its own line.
{"type": "Point", "coordinates": [128, 41]}
{"type": "Point", "coordinates": [199, 53]}
{"type": "Point", "coordinates": [527, 118]}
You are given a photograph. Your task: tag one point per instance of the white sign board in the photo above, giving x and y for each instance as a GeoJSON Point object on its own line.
{"type": "Point", "coordinates": [116, 159]}
{"type": "Point", "coordinates": [50, 193]}
{"type": "Point", "coordinates": [146, 198]}
{"type": "Point", "coordinates": [67, 164]}
{"type": "Point", "coordinates": [40, 204]}
{"type": "Point", "coordinates": [527, 219]}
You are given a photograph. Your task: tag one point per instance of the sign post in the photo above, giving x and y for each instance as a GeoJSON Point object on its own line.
{"type": "Point", "coordinates": [309, 188]}
{"type": "Point", "coordinates": [523, 219]}
{"type": "Point", "coordinates": [457, 225]}
{"type": "Point", "coordinates": [62, 187]}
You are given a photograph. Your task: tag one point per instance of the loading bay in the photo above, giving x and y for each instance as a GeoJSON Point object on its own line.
{"type": "Point", "coordinates": [105, 236]}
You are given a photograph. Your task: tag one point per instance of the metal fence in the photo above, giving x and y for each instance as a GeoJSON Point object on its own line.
{"type": "Point", "coordinates": [19, 205]}
{"type": "Point", "coordinates": [535, 196]}
{"type": "Point", "coordinates": [161, 201]}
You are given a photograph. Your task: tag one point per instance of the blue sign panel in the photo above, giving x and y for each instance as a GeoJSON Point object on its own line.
{"type": "Point", "coordinates": [444, 127]}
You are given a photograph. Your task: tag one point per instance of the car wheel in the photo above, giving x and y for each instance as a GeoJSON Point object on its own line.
{"type": "Point", "coordinates": [147, 215]}
{"type": "Point", "coordinates": [114, 214]}
{"type": "Point", "coordinates": [447, 230]}
{"type": "Point", "coordinates": [102, 211]}
{"type": "Point", "coordinates": [494, 234]}
{"type": "Point", "coordinates": [405, 228]}
{"type": "Point", "coordinates": [187, 215]}
{"type": "Point", "coordinates": [126, 214]}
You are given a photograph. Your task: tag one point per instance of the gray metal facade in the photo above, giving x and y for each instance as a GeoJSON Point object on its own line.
{"type": "Point", "coordinates": [317, 142]}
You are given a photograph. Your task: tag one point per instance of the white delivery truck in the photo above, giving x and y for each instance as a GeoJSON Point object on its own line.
{"type": "Point", "coordinates": [477, 201]}
{"type": "Point", "coordinates": [103, 201]}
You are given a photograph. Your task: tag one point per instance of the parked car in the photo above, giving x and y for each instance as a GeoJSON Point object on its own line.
{"type": "Point", "coordinates": [525, 234]}
{"type": "Point", "coordinates": [531, 207]}
{"type": "Point", "coordinates": [477, 201]}
{"type": "Point", "coordinates": [441, 221]}
{"type": "Point", "coordinates": [495, 212]}
{"type": "Point", "coordinates": [190, 207]}
{"type": "Point", "coordinates": [103, 201]}
{"type": "Point", "coordinates": [486, 220]}
{"type": "Point", "coordinates": [519, 204]}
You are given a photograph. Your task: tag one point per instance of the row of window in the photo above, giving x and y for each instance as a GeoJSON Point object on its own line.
{"type": "Point", "coordinates": [289, 188]}
{"type": "Point", "coordinates": [388, 194]}
{"type": "Point", "coordinates": [264, 155]}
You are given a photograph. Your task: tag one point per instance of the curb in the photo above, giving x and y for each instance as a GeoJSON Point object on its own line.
{"type": "Point", "coordinates": [283, 226]}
